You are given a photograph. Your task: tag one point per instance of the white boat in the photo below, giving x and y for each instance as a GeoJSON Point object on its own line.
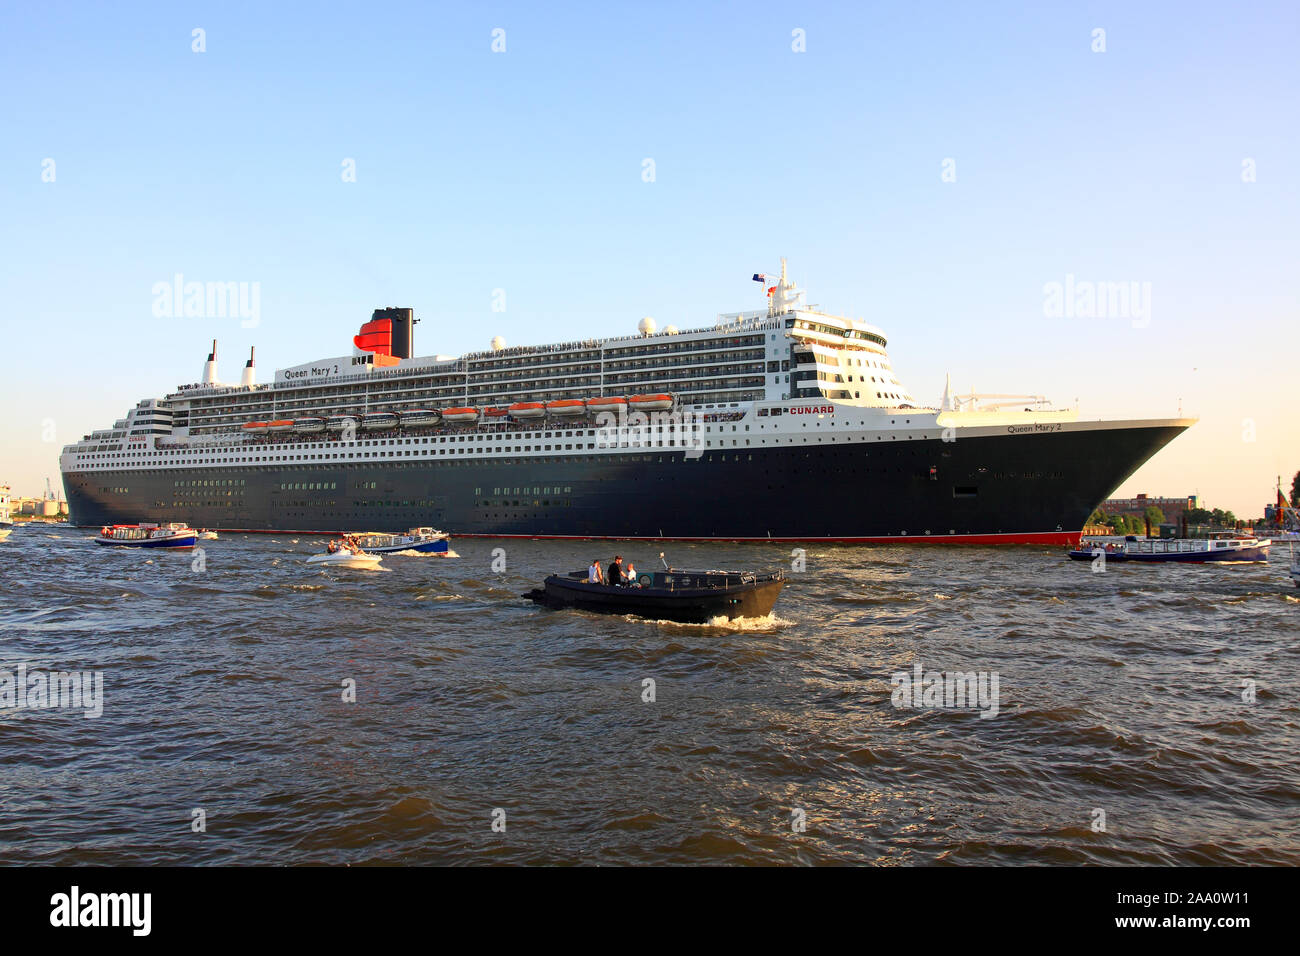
{"type": "Point", "coordinates": [378, 421]}
{"type": "Point", "coordinates": [207, 536]}
{"type": "Point", "coordinates": [308, 426]}
{"type": "Point", "coordinates": [420, 418]}
{"type": "Point", "coordinates": [347, 559]}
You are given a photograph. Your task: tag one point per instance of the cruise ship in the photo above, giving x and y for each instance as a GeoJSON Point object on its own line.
{"type": "Point", "coordinates": [786, 423]}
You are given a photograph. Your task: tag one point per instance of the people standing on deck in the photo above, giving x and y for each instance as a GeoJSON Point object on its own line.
{"type": "Point", "coordinates": [616, 572]}
{"type": "Point", "coordinates": [631, 575]}
{"type": "Point", "coordinates": [594, 574]}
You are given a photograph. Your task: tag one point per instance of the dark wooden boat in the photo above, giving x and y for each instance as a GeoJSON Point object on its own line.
{"type": "Point", "coordinates": [691, 597]}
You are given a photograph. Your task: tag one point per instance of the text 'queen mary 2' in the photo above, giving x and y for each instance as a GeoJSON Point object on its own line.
{"type": "Point", "coordinates": [787, 423]}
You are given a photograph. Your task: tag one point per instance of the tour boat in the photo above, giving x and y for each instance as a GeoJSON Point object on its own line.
{"type": "Point", "coordinates": [1219, 547]}
{"type": "Point", "coordinates": [424, 540]}
{"type": "Point", "coordinates": [174, 534]}
{"type": "Point", "coordinates": [691, 597]}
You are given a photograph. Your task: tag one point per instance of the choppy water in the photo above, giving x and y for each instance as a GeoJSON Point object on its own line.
{"type": "Point", "coordinates": [1119, 692]}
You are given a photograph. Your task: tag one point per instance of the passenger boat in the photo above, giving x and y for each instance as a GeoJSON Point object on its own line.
{"type": "Point", "coordinates": [789, 423]}
{"type": "Point", "coordinates": [691, 597]}
{"type": "Point", "coordinates": [420, 418]}
{"type": "Point", "coordinates": [1227, 546]}
{"type": "Point", "coordinates": [379, 421]}
{"type": "Point", "coordinates": [347, 559]}
{"type": "Point", "coordinates": [174, 534]}
{"type": "Point", "coordinates": [424, 540]}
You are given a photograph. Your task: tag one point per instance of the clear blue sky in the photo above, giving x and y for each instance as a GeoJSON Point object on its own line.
{"type": "Point", "coordinates": [522, 171]}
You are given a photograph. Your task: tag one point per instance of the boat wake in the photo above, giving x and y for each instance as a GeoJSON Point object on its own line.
{"type": "Point", "coordinates": [739, 625]}
{"type": "Point", "coordinates": [411, 553]}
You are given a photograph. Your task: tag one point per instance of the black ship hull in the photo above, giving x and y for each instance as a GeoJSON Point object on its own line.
{"type": "Point", "coordinates": [1014, 488]}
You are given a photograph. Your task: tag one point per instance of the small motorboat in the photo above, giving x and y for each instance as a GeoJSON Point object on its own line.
{"type": "Point", "coordinates": [424, 540]}
{"type": "Point", "coordinates": [174, 534]}
{"type": "Point", "coordinates": [347, 559]}
{"type": "Point", "coordinates": [206, 535]}
{"type": "Point", "coordinates": [674, 594]}
{"type": "Point", "coordinates": [1223, 546]}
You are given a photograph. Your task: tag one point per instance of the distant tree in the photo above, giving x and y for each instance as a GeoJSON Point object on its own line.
{"type": "Point", "coordinates": [1118, 523]}
{"type": "Point", "coordinates": [1198, 516]}
{"type": "Point", "coordinates": [1098, 517]}
{"type": "Point", "coordinates": [1295, 490]}
{"type": "Point", "coordinates": [1229, 519]}
{"type": "Point", "coordinates": [1155, 516]}
{"type": "Point", "coordinates": [1216, 517]}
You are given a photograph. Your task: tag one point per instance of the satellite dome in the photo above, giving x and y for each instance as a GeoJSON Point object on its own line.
{"type": "Point", "coordinates": [670, 330]}
{"type": "Point", "coordinates": [646, 326]}
{"type": "Point", "coordinates": [498, 343]}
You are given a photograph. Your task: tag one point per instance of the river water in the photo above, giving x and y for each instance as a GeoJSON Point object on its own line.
{"type": "Point", "coordinates": [1143, 715]}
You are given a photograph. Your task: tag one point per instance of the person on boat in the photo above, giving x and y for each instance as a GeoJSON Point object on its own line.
{"type": "Point", "coordinates": [594, 574]}
{"type": "Point", "coordinates": [630, 574]}
{"type": "Point", "coordinates": [332, 548]}
{"type": "Point", "coordinates": [616, 572]}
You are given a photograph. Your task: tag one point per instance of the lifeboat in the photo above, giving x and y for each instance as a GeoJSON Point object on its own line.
{"type": "Point", "coordinates": [566, 408]}
{"type": "Point", "coordinates": [308, 426]}
{"type": "Point", "coordinates": [460, 415]}
{"type": "Point", "coordinates": [337, 423]}
{"type": "Point", "coordinates": [652, 403]}
{"type": "Point", "coordinates": [527, 409]}
{"type": "Point", "coordinates": [419, 418]}
{"type": "Point", "coordinates": [606, 404]}
{"type": "Point", "coordinates": [255, 428]}
{"type": "Point", "coordinates": [280, 425]}
{"type": "Point", "coordinates": [495, 413]}
{"type": "Point", "coordinates": [378, 421]}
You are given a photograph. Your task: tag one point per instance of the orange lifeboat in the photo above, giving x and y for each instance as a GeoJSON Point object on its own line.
{"type": "Point", "coordinates": [282, 425]}
{"type": "Point", "coordinates": [597, 404]}
{"type": "Point", "coordinates": [495, 412]}
{"type": "Point", "coordinates": [566, 407]}
{"type": "Point", "coordinates": [460, 415]}
{"type": "Point", "coordinates": [256, 428]}
{"type": "Point", "coordinates": [527, 409]}
{"type": "Point", "coordinates": [652, 403]}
